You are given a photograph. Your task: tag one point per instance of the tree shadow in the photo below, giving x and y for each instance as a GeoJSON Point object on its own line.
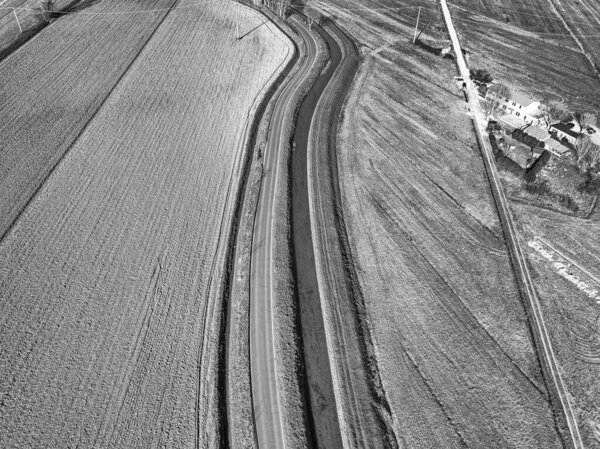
{"type": "Point", "coordinates": [252, 30]}
{"type": "Point", "coordinates": [81, 5]}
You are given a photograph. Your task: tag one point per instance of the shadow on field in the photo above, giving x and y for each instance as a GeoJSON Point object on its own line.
{"type": "Point", "coordinates": [429, 48]}
{"type": "Point", "coordinates": [252, 30]}
{"type": "Point", "coordinates": [80, 6]}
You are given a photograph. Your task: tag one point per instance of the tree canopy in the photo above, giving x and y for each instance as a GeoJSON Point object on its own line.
{"type": "Point", "coordinates": [481, 75]}
{"type": "Point", "coordinates": [588, 155]}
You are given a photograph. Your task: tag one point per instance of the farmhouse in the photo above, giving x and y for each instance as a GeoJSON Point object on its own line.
{"type": "Point", "coordinates": [519, 105]}
{"type": "Point", "coordinates": [564, 131]}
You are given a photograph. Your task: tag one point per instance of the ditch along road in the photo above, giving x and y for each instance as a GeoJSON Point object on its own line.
{"type": "Point", "coordinates": [269, 418]}
{"type": "Point", "coordinates": [545, 351]}
{"type": "Point", "coordinates": [316, 117]}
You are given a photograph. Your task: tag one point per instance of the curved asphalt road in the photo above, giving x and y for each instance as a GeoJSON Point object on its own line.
{"type": "Point", "coordinates": [268, 415]}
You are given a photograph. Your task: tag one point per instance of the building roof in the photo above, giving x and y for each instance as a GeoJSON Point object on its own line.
{"type": "Point", "coordinates": [521, 98]}
{"type": "Point", "coordinates": [511, 121]}
{"type": "Point", "coordinates": [556, 147]}
{"type": "Point", "coordinates": [516, 96]}
{"type": "Point", "coordinates": [565, 128]}
{"type": "Point", "coordinates": [539, 133]}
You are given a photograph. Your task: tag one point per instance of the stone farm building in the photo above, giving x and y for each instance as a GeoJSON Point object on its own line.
{"type": "Point", "coordinates": [518, 105]}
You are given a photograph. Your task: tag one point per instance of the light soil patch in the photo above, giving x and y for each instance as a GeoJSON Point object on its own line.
{"type": "Point", "coordinates": [572, 313]}
{"type": "Point", "coordinates": [111, 279]}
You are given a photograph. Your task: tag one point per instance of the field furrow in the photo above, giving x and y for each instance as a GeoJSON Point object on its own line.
{"type": "Point", "coordinates": [110, 279]}
{"type": "Point", "coordinates": [451, 336]}
{"type": "Point", "coordinates": [52, 86]}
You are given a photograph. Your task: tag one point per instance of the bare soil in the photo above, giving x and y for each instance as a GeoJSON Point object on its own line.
{"type": "Point", "coordinates": [573, 316]}
{"type": "Point", "coordinates": [542, 60]}
{"type": "Point", "coordinates": [55, 84]}
{"type": "Point", "coordinates": [111, 279]}
{"type": "Point", "coordinates": [452, 341]}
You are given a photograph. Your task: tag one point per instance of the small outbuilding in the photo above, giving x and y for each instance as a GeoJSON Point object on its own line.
{"type": "Point", "coordinates": [539, 133]}
{"type": "Point", "coordinates": [564, 131]}
{"type": "Point", "coordinates": [557, 148]}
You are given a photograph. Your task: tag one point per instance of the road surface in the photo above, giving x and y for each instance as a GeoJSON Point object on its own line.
{"type": "Point", "coordinates": [268, 415]}
{"type": "Point", "coordinates": [545, 350]}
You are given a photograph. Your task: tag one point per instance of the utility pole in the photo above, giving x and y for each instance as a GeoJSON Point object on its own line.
{"type": "Point", "coordinates": [421, 32]}
{"type": "Point", "coordinates": [17, 19]}
{"type": "Point", "coordinates": [417, 25]}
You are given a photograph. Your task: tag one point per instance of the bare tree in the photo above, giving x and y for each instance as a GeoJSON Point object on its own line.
{"type": "Point", "coordinates": [491, 106]}
{"type": "Point", "coordinates": [588, 154]}
{"type": "Point", "coordinates": [584, 119]}
{"type": "Point", "coordinates": [282, 7]}
{"type": "Point", "coordinates": [500, 90]}
{"type": "Point", "coordinates": [46, 10]}
{"type": "Point", "coordinates": [555, 112]}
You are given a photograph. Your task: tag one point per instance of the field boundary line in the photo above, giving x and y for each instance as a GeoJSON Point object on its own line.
{"type": "Point", "coordinates": [84, 128]}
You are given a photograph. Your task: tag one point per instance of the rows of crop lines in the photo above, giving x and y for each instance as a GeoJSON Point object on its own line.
{"type": "Point", "coordinates": [534, 15]}
{"type": "Point", "coordinates": [573, 316]}
{"type": "Point", "coordinates": [546, 65]}
{"type": "Point", "coordinates": [453, 347]}
{"type": "Point", "coordinates": [387, 19]}
{"type": "Point", "coordinates": [109, 278]}
{"type": "Point", "coordinates": [53, 85]}
{"type": "Point", "coordinates": [583, 18]}
{"type": "Point", "coordinates": [28, 15]}
{"type": "Point", "coordinates": [451, 331]}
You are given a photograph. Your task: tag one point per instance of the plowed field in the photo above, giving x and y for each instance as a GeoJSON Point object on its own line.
{"type": "Point", "coordinates": [451, 337]}
{"type": "Point", "coordinates": [110, 279]}
{"type": "Point", "coordinates": [29, 17]}
{"type": "Point", "coordinates": [53, 85]}
{"type": "Point", "coordinates": [535, 52]}
{"type": "Point", "coordinates": [572, 314]}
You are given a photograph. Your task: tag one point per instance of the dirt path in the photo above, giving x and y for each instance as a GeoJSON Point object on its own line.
{"type": "Point", "coordinates": [521, 269]}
